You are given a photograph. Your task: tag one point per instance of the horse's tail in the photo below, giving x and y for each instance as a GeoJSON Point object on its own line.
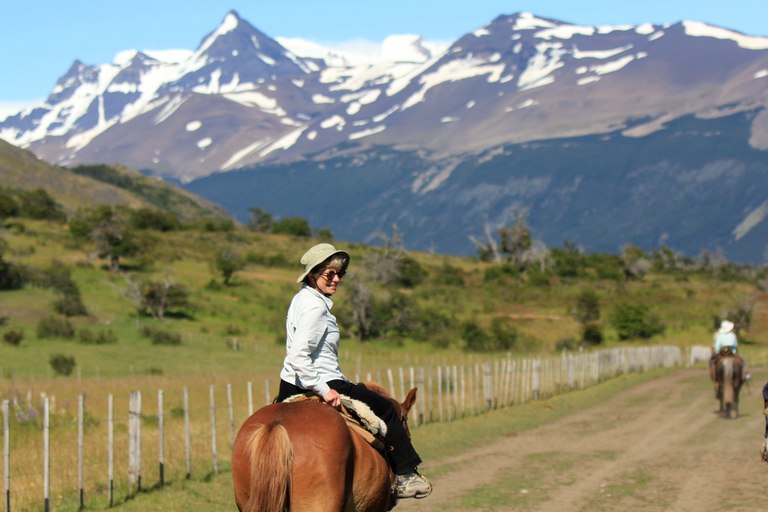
{"type": "Point", "coordinates": [271, 454]}
{"type": "Point", "coordinates": [728, 393]}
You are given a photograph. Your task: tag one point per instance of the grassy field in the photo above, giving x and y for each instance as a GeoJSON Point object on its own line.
{"type": "Point", "coordinates": [206, 490]}
{"type": "Point", "coordinates": [235, 335]}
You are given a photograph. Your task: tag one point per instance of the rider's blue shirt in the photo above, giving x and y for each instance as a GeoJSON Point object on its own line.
{"type": "Point", "coordinates": [725, 340]}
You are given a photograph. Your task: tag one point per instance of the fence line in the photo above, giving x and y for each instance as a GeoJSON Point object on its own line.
{"type": "Point", "coordinates": [492, 384]}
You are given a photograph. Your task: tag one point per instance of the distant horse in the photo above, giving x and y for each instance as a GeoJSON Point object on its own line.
{"type": "Point", "coordinates": [302, 456]}
{"type": "Point", "coordinates": [728, 382]}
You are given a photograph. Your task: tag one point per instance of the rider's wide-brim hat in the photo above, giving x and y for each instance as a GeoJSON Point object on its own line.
{"type": "Point", "coordinates": [316, 255]}
{"type": "Point", "coordinates": [725, 327]}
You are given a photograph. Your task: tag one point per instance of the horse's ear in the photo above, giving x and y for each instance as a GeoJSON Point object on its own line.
{"type": "Point", "coordinates": [409, 401]}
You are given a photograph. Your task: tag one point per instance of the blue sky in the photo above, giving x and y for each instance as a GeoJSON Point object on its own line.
{"type": "Point", "coordinates": [40, 39]}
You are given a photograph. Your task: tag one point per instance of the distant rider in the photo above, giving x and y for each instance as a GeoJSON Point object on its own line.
{"type": "Point", "coordinates": [725, 337]}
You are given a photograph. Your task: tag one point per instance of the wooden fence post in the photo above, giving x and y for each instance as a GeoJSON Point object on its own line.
{"type": "Point", "coordinates": [231, 417]}
{"type": "Point", "coordinates": [250, 399]}
{"type": "Point", "coordinates": [134, 441]}
{"type": "Point", "coordinates": [402, 383]}
{"type": "Point", "coordinates": [160, 429]}
{"type": "Point", "coordinates": [213, 433]}
{"type": "Point", "coordinates": [391, 384]}
{"type": "Point", "coordinates": [7, 455]}
{"type": "Point", "coordinates": [111, 449]}
{"type": "Point", "coordinates": [187, 436]}
{"type": "Point", "coordinates": [266, 392]}
{"type": "Point", "coordinates": [80, 449]}
{"type": "Point", "coordinates": [440, 393]}
{"type": "Point", "coordinates": [429, 392]}
{"type": "Point", "coordinates": [46, 456]}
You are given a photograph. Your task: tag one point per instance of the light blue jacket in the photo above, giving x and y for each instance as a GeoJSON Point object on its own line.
{"type": "Point", "coordinates": [312, 344]}
{"type": "Point", "coordinates": [725, 340]}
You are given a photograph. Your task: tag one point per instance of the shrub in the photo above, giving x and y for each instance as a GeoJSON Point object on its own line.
{"type": "Point", "coordinates": [295, 226]}
{"type": "Point", "coordinates": [12, 276]}
{"type": "Point", "coordinates": [38, 204]}
{"type": "Point", "coordinates": [70, 304]}
{"type": "Point", "coordinates": [62, 364]}
{"type": "Point", "coordinates": [148, 218]}
{"type": "Point", "coordinates": [504, 336]}
{"type": "Point", "coordinates": [634, 321]}
{"type": "Point", "coordinates": [450, 275]}
{"type": "Point", "coordinates": [592, 333]}
{"type": "Point", "coordinates": [268, 260]}
{"type": "Point", "coordinates": [565, 344]}
{"type": "Point", "coordinates": [160, 336]}
{"type": "Point", "coordinates": [13, 338]}
{"type": "Point", "coordinates": [55, 327]}
{"type": "Point", "coordinates": [538, 277]}
{"type": "Point", "coordinates": [8, 205]}
{"type": "Point", "coordinates": [409, 273]}
{"type": "Point", "coordinates": [85, 335]}
{"type": "Point", "coordinates": [476, 338]}
{"type": "Point", "coordinates": [587, 307]}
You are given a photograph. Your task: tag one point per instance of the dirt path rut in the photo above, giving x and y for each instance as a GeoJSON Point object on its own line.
{"type": "Point", "coordinates": [659, 446]}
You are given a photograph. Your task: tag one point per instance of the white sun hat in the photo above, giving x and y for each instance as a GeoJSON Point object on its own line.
{"type": "Point", "coordinates": [726, 326]}
{"type": "Point", "coordinates": [316, 255]}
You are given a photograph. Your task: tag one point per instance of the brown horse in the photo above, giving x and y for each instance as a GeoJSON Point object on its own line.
{"type": "Point", "coordinates": [302, 457]}
{"type": "Point", "coordinates": [728, 379]}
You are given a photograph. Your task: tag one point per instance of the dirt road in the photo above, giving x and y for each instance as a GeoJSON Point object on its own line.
{"type": "Point", "coordinates": [659, 446]}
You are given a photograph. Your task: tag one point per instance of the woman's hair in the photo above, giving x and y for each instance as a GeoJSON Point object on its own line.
{"type": "Point", "coordinates": [336, 261]}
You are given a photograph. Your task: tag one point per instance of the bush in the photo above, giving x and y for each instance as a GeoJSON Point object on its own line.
{"type": "Point", "coordinates": [565, 344]}
{"type": "Point", "coordinates": [224, 225]}
{"type": "Point", "coordinates": [504, 336]}
{"type": "Point", "coordinates": [38, 204]}
{"type": "Point", "coordinates": [55, 327]}
{"type": "Point", "coordinates": [634, 321]}
{"type": "Point", "coordinates": [409, 273]}
{"type": "Point", "coordinates": [449, 275]}
{"type": "Point", "coordinates": [12, 276]}
{"type": "Point", "coordinates": [160, 336]}
{"type": "Point", "coordinates": [148, 218]}
{"type": "Point", "coordinates": [268, 260]}
{"type": "Point", "coordinates": [587, 307]}
{"type": "Point", "coordinates": [476, 338]}
{"type": "Point", "coordinates": [62, 364]}
{"type": "Point", "coordinates": [295, 226]}
{"type": "Point", "coordinates": [592, 333]}
{"type": "Point", "coordinates": [13, 338]}
{"type": "Point", "coordinates": [85, 335]}
{"type": "Point", "coordinates": [71, 304]}
{"type": "Point", "coordinates": [8, 205]}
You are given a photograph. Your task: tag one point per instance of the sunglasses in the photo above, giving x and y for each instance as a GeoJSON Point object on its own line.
{"type": "Point", "coordinates": [333, 273]}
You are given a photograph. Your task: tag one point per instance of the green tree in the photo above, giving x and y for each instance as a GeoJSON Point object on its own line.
{"type": "Point", "coordinates": [587, 308]}
{"type": "Point", "coordinates": [634, 321]}
{"type": "Point", "coordinates": [260, 220]}
{"type": "Point", "coordinates": [38, 204]}
{"type": "Point", "coordinates": [149, 218]}
{"type": "Point", "coordinates": [295, 226]}
{"type": "Point", "coordinates": [227, 262]}
{"type": "Point", "coordinates": [8, 205]}
{"type": "Point", "coordinates": [156, 298]}
{"type": "Point", "coordinates": [114, 239]}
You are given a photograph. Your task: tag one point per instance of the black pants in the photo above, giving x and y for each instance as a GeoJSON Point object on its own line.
{"type": "Point", "coordinates": [401, 451]}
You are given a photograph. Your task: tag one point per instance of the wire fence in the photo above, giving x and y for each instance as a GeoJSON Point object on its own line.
{"type": "Point", "coordinates": [112, 449]}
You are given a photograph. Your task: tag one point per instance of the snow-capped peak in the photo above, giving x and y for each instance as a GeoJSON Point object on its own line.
{"type": "Point", "coordinates": [394, 49]}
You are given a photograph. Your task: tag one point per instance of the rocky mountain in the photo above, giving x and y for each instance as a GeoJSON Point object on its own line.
{"type": "Point", "coordinates": [436, 138]}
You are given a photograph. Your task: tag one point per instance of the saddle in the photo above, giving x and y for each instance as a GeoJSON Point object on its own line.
{"type": "Point", "coordinates": [359, 417]}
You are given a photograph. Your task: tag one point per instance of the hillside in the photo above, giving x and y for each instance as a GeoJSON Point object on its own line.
{"type": "Point", "coordinates": [117, 185]}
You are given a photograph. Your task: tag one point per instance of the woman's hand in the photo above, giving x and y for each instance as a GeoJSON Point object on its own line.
{"type": "Point", "coordinates": [332, 398]}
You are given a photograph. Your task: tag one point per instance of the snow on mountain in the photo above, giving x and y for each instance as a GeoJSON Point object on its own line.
{"type": "Point", "coordinates": [516, 78]}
